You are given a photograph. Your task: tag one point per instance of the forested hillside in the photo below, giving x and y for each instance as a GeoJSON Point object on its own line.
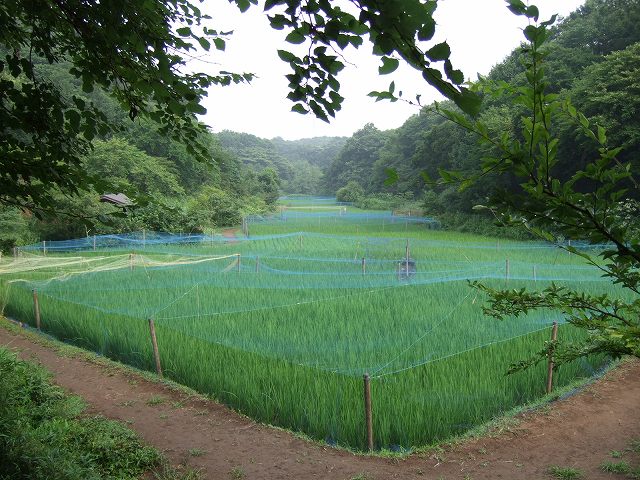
{"type": "Point", "coordinates": [173, 191]}
{"type": "Point", "coordinates": [594, 59]}
{"type": "Point", "coordinates": [317, 151]}
{"type": "Point", "coordinates": [299, 163]}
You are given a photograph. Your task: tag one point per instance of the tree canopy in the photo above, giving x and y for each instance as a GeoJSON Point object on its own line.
{"type": "Point", "coordinates": [136, 51]}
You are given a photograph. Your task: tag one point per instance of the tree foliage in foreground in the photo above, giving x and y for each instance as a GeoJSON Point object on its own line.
{"type": "Point", "coordinates": [134, 50]}
{"type": "Point", "coordinates": [591, 204]}
{"type": "Point", "coordinates": [137, 51]}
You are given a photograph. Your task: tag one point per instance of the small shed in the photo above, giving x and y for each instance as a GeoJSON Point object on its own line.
{"type": "Point", "coordinates": [117, 199]}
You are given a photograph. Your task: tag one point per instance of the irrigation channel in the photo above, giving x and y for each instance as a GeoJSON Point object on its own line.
{"type": "Point", "coordinates": [283, 321]}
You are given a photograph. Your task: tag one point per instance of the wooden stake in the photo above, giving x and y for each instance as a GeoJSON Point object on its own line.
{"type": "Point", "coordinates": [154, 343]}
{"type": "Point", "coordinates": [257, 264]}
{"type": "Point", "coordinates": [131, 261]}
{"type": "Point", "coordinates": [364, 265]}
{"type": "Point", "coordinates": [506, 269]}
{"type": "Point", "coordinates": [367, 411]}
{"type": "Point", "coordinates": [406, 251]}
{"type": "Point", "coordinates": [554, 337]}
{"type": "Point", "coordinates": [94, 243]}
{"type": "Point", "coordinates": [144, 238]}
{"type": "Point", "coordinates": [535, 275]}
{"type": "Point", "coordinates": [44, 247]}
{"type": "Point", "coordinates": [238, 263]}
{"type": "Point", "coordinates": [36, 308]}
{"type": "Point", "coordinates": [15, 252]}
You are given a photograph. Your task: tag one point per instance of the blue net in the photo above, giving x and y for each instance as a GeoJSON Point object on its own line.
{"type": "Point", "coordinates": [283, 325]}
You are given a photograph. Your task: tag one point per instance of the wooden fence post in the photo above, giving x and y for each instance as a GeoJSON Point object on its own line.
{"type": "Point", "coordinates": [364, 266]}
{"type": "Point", "coordinates": [94, 243]}
{"type": "Point", "coordinates": [506, 269]}
{"type": "Point", "coordinates": [36, 308]}
{"type": "Point", "coordinates": [238, 270]}
{"type": "Point", "coordinates": [154, 343]}
{"type": "Point", "coordinates": [367, 411]}
{"type": "Point", "coordinates": [257, 264]}
{"type": "Point", "coordinates": [554, 337]}
{"type": "Point", "coordinates": [406, 252]}
{"type": "Point", "coordinates": [535, 274]}
{"type": "Point", "coordinates": [44, 247]}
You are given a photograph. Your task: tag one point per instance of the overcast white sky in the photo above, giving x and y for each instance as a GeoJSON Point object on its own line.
{"type": "Point", "coordinates": [480, 32]}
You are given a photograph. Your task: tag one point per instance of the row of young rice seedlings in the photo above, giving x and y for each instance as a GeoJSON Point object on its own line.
{"type": "Point", "coordinates": [300, 365]}
{"type": "Point", "coordinates": [308, 252]}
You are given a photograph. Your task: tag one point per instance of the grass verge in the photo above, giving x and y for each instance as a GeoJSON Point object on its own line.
{"type": "Point", "coordinates": [45, 435]}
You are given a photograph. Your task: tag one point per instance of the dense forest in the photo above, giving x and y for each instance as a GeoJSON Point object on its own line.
{"type": "Point", "coordinates": [172, 191]}
{"type": "Point", "coordinates": [594, 59]}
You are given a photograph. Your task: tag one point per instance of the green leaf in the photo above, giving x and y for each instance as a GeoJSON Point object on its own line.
{"type": "Point", "coordinates": [602, 135]}
{"type": "Point", "coordinates": [269, 4]}
{"type": "Point", "coordinates": [219, 43]}
{"type": "Point", "coordinates": [295, 37]}
{"type": "Point", "coordinates": [531, 33]}
{"type": "Point", "coordinates": [287, 56]}
{"type": "Point", "coordinates": [427, 31]}
{"type": "Point", "coordinates": [532, 12]}
{"type": "Point", "coordinates": [74, 119]}
{"type": "Point", "coordinates": [583, 120]}
{"type": "Point", "coordinates": [278, 21]}
{"type": "Point", "coordinates": [389, 65]}
{"type": "Point", "coordinates": [243, 5]}
{"type": "Point", "coordinates": [184, 31]}
{"type": "Point", "coordinates": [517, 7]}
{"type": "Point", "coordinates": [204, 43]}
{"type": "Point", "coordinates": [438, 52]}
{"type": "Point", "coordinates": [197, 108]}
{"type": "Point", "coordinates": [469, 102]}
{"type": "Point", "coordinates": [299, 108]}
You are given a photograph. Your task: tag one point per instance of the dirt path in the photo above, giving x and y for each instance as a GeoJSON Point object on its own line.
{"type": "Point", "coordinates": [231, 234]}
{"type": "Point", "coordinates": [578, 432]}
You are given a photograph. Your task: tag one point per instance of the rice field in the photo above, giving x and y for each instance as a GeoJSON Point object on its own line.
{"type": "Point", "coordinates": [283, 324]}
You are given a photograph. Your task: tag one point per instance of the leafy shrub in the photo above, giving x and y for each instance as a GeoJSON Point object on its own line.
{"type": "Point", "coordinates": [43, 436]}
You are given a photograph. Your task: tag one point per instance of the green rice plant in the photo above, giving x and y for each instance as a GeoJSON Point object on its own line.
{"type": "Point", "coordinates": [283, 327]}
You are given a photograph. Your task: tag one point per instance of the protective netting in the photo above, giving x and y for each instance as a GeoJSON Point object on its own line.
{"type": "Point", "coordinates": [283, 326]}
{"type": "Point", "coordinates": [340, 217]}
{"type": "Point", "coordinates": [309, 200]}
